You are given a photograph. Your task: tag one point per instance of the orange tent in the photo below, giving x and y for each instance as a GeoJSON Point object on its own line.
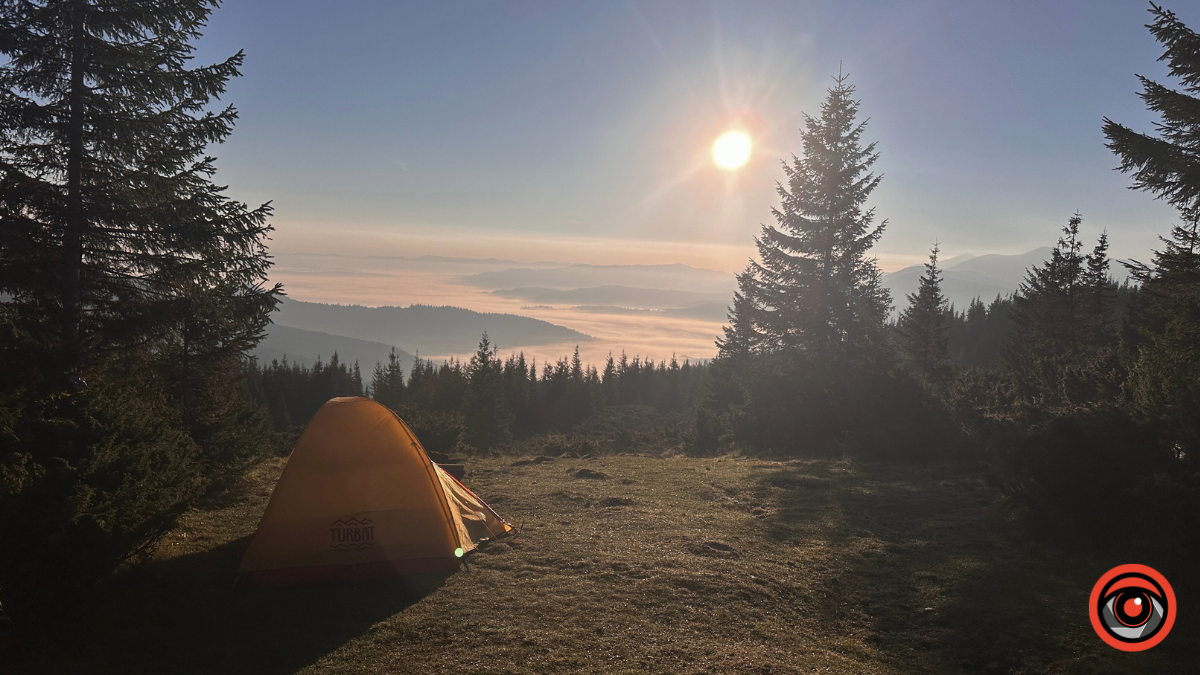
{"type": "Point", "coordinates": [360, 499]}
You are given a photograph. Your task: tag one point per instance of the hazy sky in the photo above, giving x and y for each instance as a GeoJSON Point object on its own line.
{"type": "Point", "coordinates": [581, 131]}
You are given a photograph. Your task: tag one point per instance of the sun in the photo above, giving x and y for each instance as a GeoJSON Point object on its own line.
{"type": "Point", "coordinates": [731, 150]}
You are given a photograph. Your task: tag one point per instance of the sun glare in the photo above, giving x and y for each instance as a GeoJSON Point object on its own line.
{"type": "Point", "coordinates": [731, 150]}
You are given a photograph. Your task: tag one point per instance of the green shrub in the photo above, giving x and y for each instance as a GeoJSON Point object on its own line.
{"type": "Point", "coordinates": [87, 482]}
{"type": "Point", "coordinates": [1103, 474]}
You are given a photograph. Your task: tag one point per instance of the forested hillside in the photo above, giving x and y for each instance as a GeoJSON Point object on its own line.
{"type": "Point", "coordinates": [305, 347]}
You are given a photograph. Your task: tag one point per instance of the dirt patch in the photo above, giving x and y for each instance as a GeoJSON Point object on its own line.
{"type": "Point", "coordinates": [568, 497]}
{"type": "Point", "coordinates": [713, 549]}
{"type": "Point", "coordinates": [616, 501]}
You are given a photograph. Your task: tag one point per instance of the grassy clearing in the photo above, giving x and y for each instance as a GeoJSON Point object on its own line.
{"type": "Point", "coordinates": [640, 564]}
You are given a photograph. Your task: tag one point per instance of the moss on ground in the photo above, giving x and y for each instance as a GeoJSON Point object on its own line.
{"type": "Point", "coordinates": [640, 564]}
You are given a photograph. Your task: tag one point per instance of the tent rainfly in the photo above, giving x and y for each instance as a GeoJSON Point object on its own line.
{"type": "Point", "coordinates": [360, 499]}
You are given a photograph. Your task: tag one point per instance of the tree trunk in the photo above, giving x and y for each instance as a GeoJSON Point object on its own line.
{"type": "Point", "coordinates": [76, 221]}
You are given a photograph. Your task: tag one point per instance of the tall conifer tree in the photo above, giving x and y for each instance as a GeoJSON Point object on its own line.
{"type": "Point", "coordinates": [119, 257]}
{"type": "Point", "coordinates": [1165, 377]}
{"type": "Point", "coordinates": [1047, 316]}
{"type": "Point", "coordinates": [485, 407]}
{"type": "Point", "coordinates": [741, 336]}
{"type": "Point", "coordinates": [814, 287]}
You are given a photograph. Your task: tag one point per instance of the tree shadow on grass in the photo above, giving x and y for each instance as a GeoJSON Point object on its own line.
{"type": "Point", "coordinates": [941, 577]}
{"type": "Point", "coordinates": [186, 615]}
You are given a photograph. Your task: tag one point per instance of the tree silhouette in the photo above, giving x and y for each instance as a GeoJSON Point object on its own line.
{"type": "Point", "coordinates": [922, 325]}
{"type": "Point", "coordinates": [814, 288]}
{"type": "Point", "coordinates": [113, 232]}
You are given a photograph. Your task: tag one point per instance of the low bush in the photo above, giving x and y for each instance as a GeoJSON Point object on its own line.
{"type": "Point", "coordinates": [87, 482]}
{"type": "Point", "coordinates": [1102, 474]}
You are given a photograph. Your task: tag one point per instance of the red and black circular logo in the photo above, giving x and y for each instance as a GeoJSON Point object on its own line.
{"type": "Point", "coordinates": [1132, 607]}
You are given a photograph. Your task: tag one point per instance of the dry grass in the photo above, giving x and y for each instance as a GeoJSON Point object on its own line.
{"type": "Point", "coordinates": [661, 565]}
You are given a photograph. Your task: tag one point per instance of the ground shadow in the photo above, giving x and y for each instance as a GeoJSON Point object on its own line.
{"type": "Point", "coordinates": [942, 576]}
{"type": "Point", "coordinates": [187, 616]}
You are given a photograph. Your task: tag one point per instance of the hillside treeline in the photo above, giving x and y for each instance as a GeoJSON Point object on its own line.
{"type": "Point", "coordinates": [1079, 395]}
{"type": "Point", "coordinates": [485, 402]}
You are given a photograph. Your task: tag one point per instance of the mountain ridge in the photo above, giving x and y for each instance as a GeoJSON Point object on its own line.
{"type": "Point", "coordinates": [983, 276]}
{"type": "Point", "coordinates": [305, 347]}
{"type": "Point", "coordinates": [436, 329]}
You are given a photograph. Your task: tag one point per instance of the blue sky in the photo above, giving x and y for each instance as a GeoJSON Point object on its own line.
{"type": "Point", "coordinates": [581, 131]}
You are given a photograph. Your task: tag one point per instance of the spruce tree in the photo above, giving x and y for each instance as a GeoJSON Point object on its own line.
{"type": "Point", "coordinates": [608, 381]}
{"type": "Point", "coordinates": [814, 287]}
{"type": "Point", "coordinates": [1100, 295]}
{"type": "Point", "coordinates": [1061, 348]}
{"type": "Point", "coordinates": [387, 382]}
{"type": "Point", "coordinates": [122, 266]}
{"type": "Point", "coordinates": [113, 232]}
{"type": "Point", "coordinates": [1164, 381]}
{"type": "Point", "coordinates": [486, 409]}
{"type": "Point", "coordinates": [734, 351]}
{"type": "Point", "coordinates": [922, 325]}
{"type": "Point", "coordinates": [1048, 321]}
{"type": "Point", "coordinates": [519, 391]}
{"type": "Point", "coordinates": [1167, 164]}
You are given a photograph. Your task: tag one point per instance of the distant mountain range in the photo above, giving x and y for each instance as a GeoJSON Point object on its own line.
{"type": "Point", "coordinates": [967, 277]}
{"type": "Point", "coordinates": [306, 346]}
{"type": "Point", "coordinates": [305, 331]}
{"type": "Point", "coordinates": [675, 277]}
{"type": "Point", "coordinates": [621, 296]}
{"type": "Point", "coordinates": [436, 330]}
{"type": "Point", "coordinates": [684, 291]}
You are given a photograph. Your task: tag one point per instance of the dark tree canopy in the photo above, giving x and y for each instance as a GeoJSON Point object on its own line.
{"type": "Point", "coordinates": [114, 234]}
{"type": "Point", "coordinates": [1167, 164]}
{"type": "Point", "coordinates": [486, 409]}
{"type": "Point", "coordinates": [807, 332]}
{"type": "Point", "coordinates": [741, 336]}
